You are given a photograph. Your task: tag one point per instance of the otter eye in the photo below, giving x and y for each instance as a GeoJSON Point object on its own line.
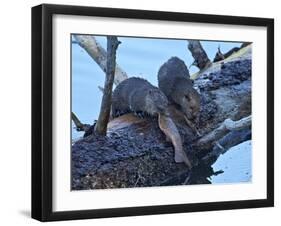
{"type": "Point", "coordinates": [187, 97]}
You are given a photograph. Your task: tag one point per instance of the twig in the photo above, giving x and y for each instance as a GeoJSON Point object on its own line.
{"type": "Point", "coordinates": [187, 179]}
{"type": "Point", "coordinates": [101, 89]}
{"type": "Point", "coordinates": [138, 179]}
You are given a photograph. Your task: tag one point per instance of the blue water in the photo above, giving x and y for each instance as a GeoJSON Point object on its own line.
{"type": "Point", "coordinates": [140, 57]}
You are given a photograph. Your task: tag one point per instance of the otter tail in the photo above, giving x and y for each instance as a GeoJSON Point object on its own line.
{"type": "Point", "coordinates": [169, 128]}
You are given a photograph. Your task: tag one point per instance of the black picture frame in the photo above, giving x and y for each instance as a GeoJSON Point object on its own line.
{"type": "Point", "coordinates": [42, 111]}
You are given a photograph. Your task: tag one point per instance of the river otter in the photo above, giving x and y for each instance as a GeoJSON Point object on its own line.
{"type": "Point", "coordinates": [140, 97]}
{"type": "Point", "coordinates": [174, 82]}
{"type": "Point", "coordinates": [137, 95]}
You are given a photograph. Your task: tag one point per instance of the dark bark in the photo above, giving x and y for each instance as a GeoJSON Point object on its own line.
{"type": "Point", "coordinates": [244, 44]}
{"type": "Point", "coordinates": [101, 125]}
{"type": "Point", "coordinates": [201, 59]}
{"type": "Point", "coordinates": [221, 56]}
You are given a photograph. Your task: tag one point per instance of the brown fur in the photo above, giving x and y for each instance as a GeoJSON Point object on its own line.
{"type": "Point", "coordinates": [167, 125]}
{"type": "Point", "coordinates": [174, 82]}
{"type": "Point", "coordinates": [137, 95]}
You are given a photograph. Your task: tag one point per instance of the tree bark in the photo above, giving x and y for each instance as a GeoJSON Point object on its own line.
{"type": "Point", "coordinates": [101, 125]}
{"type": "Point", "coordinates": [99, 55]}
{"type": "Point", "coordinates": [201, 59]}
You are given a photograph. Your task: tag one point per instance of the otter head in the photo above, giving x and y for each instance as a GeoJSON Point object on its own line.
{"type": "Point", "coordinates": [156, 102]}
{"type": "Point", "coordinates": [188, 99]}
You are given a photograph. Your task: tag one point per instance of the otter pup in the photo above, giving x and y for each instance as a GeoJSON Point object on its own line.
{"type": "Point", "coordinates": [174, 81]}
{"type": "Point", "coordinates": [137, 95]}
{"type": "Point", "coordinates": [140, 97]}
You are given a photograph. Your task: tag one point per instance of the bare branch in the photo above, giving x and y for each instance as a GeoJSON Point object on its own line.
{"type": "Point", "coordinates": [201, 59]}
{"type": "Point", "coordinates": [79, 125]}
{"type": "Point", "coordinates": [227, 126]}
{"type": "Point", "coordinates": [95, 50]}
{"type": "Point", "coordinates": [221, 56]}
{"type": "Point", "coordinates": [231, 139]}
{"type": "Point", "coordinates": [101, 89]}
{"type": "Point", "coordinates": [101, 125]}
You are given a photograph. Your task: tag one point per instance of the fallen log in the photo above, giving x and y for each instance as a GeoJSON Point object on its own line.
{"type": "Point", "coordinates": [133, 154]}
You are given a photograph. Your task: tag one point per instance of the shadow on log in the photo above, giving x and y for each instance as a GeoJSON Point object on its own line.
{"type": "Point", "coordinates": [135, 152]}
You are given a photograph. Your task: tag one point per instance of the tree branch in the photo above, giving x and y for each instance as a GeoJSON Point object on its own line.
{"type": "Point", "coordinates": [101, 125]}
{"type": "Point", "coordinates": [79, 125]}
{"type": "Point", "coordinates": [101, 89]}
{"type": "Point", "coordinates": [227, 126]}
{"type": "Point", "coordinates": [95, 50]}
{"type": "Point", "coordinates": [201, 59]}
{"type": "Point", "coordinates": [231, 139]}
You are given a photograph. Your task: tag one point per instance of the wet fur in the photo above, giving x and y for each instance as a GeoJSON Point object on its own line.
{"type": "Point", "coordinates": [174, 81]}
{"type": "Point", "coordinates": [137, 95]}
